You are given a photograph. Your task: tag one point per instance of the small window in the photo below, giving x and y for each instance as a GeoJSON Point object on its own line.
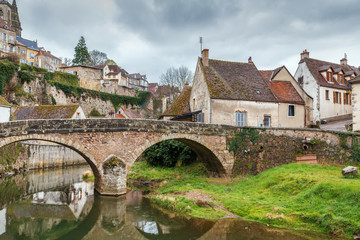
{"type": "Point", "coordinates": [341, 78]}
{"type": "Point", "coordinates": [78, 115]}
{"type": "Point", "coordinates": [327, 97]}
{"type": "Point", "coordinates": [32, 55]}
{"type": "Point", "coordinates": [240, 118]}
{"type": "Point", "coordinates": [291, 112]}
{"type": "Point", "coordinates": [301, 81]}
{"type": "Point", "coordinates": [200, 117]}
{"type": "Point", "coordinates": [29, 89]}
{"type": "Point", "coordinates": [329, 77]}
{"type": "Point", "coordinates": [267, 121]}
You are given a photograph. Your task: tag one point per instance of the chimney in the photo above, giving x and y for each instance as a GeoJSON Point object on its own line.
{"type": "Point", "coordinates": [305, 54]}
{"type": "Point", "coordinates": [344, 60]}
{"type": "Point", "coordinates": [187, 84]}
{"type": "Point", "coordinates": [205, 57]}
{"type": "Point", "coordinates": [250, 60]}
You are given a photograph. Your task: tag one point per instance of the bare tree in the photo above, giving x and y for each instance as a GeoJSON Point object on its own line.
{"type": "Point", "coordinates": [176, 77]}
{"type": "Point", "coordinates": [97, 58]}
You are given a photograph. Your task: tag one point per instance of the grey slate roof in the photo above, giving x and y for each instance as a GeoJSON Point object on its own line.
{"type": "Point", "coordinates": [28, 43]}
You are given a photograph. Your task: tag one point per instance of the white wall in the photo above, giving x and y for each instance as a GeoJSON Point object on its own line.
{"type": "Point", "coordinates": [311, 88]}
{"type": "Point", "coordinates": [356, 106]}
{"type": "Point", "coordinates": [329, 109]}
{"type": "Point", "coordinates": [81, 114]}
{"type": "Point", "coordinates": [5, 114]}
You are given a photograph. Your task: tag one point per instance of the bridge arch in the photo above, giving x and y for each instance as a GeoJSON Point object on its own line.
{"type": "Point", "coordinates": [213, 160]}
{"type": "Point", "coordinates": [63, 142]}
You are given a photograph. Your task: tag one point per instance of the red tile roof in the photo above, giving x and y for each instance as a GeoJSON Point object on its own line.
{"type": "Point", "coordinates": [181, 105]}
{"type": "Point", "coordinates": [45, 112]}
{"type": "Point", "coordinates": [283, 90]}
{"type": "Point", "coordinates": [236, 81]}
{"type": "Point", "coordinates": [315, 66]}
{"type": "Point", "coordinates": [46, 54]}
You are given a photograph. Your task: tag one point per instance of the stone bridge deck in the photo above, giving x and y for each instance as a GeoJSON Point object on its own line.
{"type": "Point", "coordinates": [111, 146]}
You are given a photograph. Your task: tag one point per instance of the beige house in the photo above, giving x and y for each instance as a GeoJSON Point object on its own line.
{"type": "Point", "coordinates": [355, 83]}
{"type": "Point", "coordinates": [296, 106]}
{"type": "Point", "coordinates": [232, 93]}
{"type": "Point", "coordinates": [327, 83]}
{"type": "Point", "coordinates": [44, 59]}
{"type": "Point", "coordinates": [89, 77]}
{"type": "Point", "coordinates": [235, 93]}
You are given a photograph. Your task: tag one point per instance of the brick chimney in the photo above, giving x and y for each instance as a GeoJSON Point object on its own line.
{"type": "Point", "coordinates": [305, 54]}
{"type": "Point", "coordinates": [205, 57]}
{"type": "Point", "coordinates": [343, 61]}
{"type": "Point", "coordinates": [250, 60]}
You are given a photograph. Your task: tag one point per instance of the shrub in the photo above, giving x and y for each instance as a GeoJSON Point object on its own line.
{"type": "Point", "coordinates": [169, 154]}
{"type": "Point", "coordinates": [95, 113]}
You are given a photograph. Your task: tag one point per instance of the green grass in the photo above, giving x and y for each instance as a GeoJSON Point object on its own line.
{"type": "Point", "coordinates": [297, 196]}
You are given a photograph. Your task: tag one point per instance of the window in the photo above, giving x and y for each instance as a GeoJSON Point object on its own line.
{"type": "Point", "coordinates": [329, 77]}
{"type": "Point", "coordinates": [337, 97]}
{"type": "Point", "coordinates": [200, 117]}
{"type": "Point", "coordinates": [4, 48]}
{"type": "Point", "coordinates": [29, 89]}
{"type": "Point", "coordinates": [267, 121]}
{"type": "Point", "coordinates": [347, 98]}
{"type": "Point", "coordinates": [11, 39]}
{"type": "Point", "coordinates": [327, 97]}
{"type": "Point", "coordinates": [85, 74]}
{"type": "Point", "coordinates": [240, 118]}
{"type": "Point", "coordinates": [341, 78]}
{"type": "Point", "coordinates": [291, 112]}
{"type": "Point", "coordinates": [77, 115]}
{"type": "Point", "coordinates": [301, 81]}
{"type": "Point", "coordinates": [32, 55]}
{"type": "Point", "coordinates": [12, 49]}
{"type": "Point", "coordinates": [4, 37]}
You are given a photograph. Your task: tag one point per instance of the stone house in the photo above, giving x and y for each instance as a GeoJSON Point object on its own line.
{"type": "Point", "coordinates": [49, 112]}
{"type": "Point", "coordinates": [5, 110]}
{"type": "Point", "coordinates": [138, 82]}
{"type": "Point", "coordinates": [32, 50]}
{"type": "Point", "coordinates": [164, 96]}
{"type": "Point", "coordinates": [7, 39]}
{"type": "Point", "coordinates": [89, 76]}
{"type": "Point", "coordinates": [44, 59]}
{"type": "Point", "coordinates": [355, 84]}
{"type": "Point", "coordinates": [232, 93]}
{"type": "Point", "coordinates": [295, 107]}
{"type": "Point", "coordinates": [113, 73]}
{"type": "Point", "coordinates": [327, 83]}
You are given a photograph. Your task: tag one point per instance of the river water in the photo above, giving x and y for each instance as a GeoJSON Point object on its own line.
{"type": "Point", "coordinates": [57, 204]}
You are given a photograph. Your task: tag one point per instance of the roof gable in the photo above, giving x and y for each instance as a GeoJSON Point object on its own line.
{"type": "Point", "coordinates": [45, 112]}
{"type": "Point", "coordinates": [316, 67]}
{"type": "Point", "coordinates": [181, 105]}
{"type": "Point", "coordinates": [236, 81]}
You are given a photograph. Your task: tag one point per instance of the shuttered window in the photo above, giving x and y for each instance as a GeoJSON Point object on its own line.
{"type": "Point", "coordinates": [267, 121]}
{"type": "Point", "coordinates": [240, 119]}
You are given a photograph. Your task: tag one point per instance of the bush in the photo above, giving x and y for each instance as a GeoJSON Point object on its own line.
{"type": "Point", "coordinates": [25, 77]}
{"type": "Point", "coordinates": [95, 113]}
{"type": "Point", "coordinates": [169, 154]}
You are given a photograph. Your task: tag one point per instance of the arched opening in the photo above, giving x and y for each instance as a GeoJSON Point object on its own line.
{"type": "Point", "coordinates": [204, 155]}
{"type": "Point", "coordinates": [57, 198]}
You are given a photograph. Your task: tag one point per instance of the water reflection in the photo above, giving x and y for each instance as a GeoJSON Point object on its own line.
{"type": "Point", "coordinates": [36, 206]}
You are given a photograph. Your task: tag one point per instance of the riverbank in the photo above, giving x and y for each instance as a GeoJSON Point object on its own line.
{"type": "Point", "coordinates": [295, 196]}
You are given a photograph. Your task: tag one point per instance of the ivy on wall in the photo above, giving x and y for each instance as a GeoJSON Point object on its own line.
{"type": "Point", "coordinates": [7, 71]}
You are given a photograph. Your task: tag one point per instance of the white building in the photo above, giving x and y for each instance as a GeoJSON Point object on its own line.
{"type": "Point", "coordinates": [5, 110]}
{"type": "Point", "coordinates": [327, 83]}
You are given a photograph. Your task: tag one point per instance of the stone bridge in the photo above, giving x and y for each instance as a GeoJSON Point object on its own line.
{"type": "Point", "coordinates": [111, 146]}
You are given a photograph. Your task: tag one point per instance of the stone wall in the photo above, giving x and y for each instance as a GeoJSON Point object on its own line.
{"type": "Point", "coordinates": [51, 156]}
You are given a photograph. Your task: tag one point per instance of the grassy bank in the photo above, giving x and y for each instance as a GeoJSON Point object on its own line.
{"type": "Point", "coordinates": [294, 196]}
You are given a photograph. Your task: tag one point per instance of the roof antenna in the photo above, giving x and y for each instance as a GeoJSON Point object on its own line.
{"type": "Point", "coordinates": [201, 45]}
{"type": "Point", "coordinates": [345, 55]}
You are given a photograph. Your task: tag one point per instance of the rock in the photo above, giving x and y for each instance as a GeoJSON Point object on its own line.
{"type": "Point", "coordinates": [357, 236]}
{"type": "Point", "coordinates": [350, 171]}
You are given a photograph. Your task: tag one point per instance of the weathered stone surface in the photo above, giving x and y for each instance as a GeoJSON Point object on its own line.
{"type": "Point", "coordinates": [126, 139]}
{"type": "Point", "coordinates": [350, 171]}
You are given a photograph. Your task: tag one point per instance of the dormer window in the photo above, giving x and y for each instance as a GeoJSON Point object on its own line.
{"type": "Point", "coordinates": [329, 77]}
{"type": "Point", "coordinates": [341, 78]}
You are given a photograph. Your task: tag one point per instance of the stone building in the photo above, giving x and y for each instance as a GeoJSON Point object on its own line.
{"type": "Point", "coordinates": [7, 39]}
{"type": "Point", "coordinates": [89, 77]}
{"type": "Point", "coordinates": [138, 82]}
{"type": "Point", "coordinates": [236, 93]}
{"type": "Point", "coordinates": [49, 112]}
{"type": "Point", "coordinates": [327, 83]}
{"type": "Point", "coordinates": [44, 59]}
{"type": "Point", "coordinates": [115, 74]}
{"type": "Point", "coordinates": [9, 13]}
{"type": "Point", "coordinates": [295, 107]}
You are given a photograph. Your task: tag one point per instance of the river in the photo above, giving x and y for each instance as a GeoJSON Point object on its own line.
{"type": "Point", "coordinates": [57, 204]}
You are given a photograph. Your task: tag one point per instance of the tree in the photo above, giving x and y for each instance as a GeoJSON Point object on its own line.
{"type": "Point", "coordinates": [97, 58]}
{"type": "Point", "coordinates": [81, 55]}
{"type": "Point", "coordinates": [66, 61]}
{"type": "Point", "coordinates": [176, 77]}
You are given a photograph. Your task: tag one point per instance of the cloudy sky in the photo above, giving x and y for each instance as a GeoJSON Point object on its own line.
{"type": "Point", "coordinates": [149, 36]}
